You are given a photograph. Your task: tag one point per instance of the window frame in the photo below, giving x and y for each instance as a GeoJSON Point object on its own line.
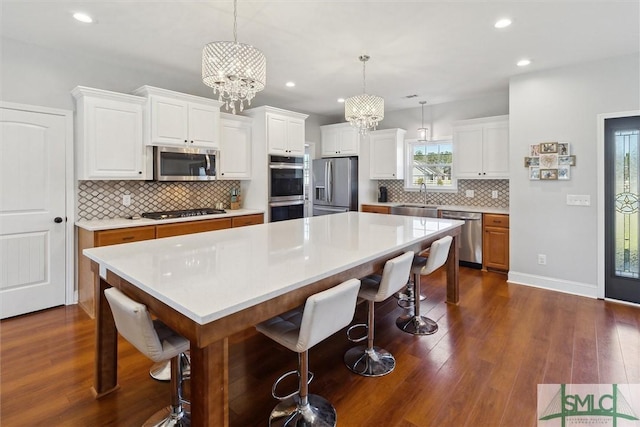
{"type": "Point", "coordinates": [409, 144]}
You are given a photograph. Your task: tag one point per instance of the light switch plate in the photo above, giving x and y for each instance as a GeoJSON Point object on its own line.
{"type": "Point", "coordinates": [494, 194]}
{"type": "Point", "coordinates": [578, 200]}
{"type": "Point", "coordinates": [469, 193]}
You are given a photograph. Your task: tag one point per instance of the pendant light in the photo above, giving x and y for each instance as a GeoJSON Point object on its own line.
{"type": "Point", "coordinates": [423, 132]}
{"type": "Point", "coordinates": [235, 71]}
{"type": "Point", "coordinates": [364, 111]}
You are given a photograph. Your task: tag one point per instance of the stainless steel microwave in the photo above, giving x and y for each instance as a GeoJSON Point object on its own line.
{"type": "Point", "coordinates": [185, 164]}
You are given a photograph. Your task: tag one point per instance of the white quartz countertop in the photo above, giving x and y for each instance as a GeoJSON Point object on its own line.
{"type": "Point", "coordinates": [113, 223]}
{"type": "Point", "coordinates": [207, 276]}
{"type": "Point", "coordinates": [481, 209]}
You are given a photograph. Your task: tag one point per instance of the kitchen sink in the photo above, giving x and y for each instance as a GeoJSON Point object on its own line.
{"type": "Point", "coordinates": [430, 211]}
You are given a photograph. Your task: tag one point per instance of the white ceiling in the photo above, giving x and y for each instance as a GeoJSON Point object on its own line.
{"type": "Point", "coordinates": [438, 50]}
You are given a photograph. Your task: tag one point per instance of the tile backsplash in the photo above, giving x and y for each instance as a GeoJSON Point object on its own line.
{"type": "Point", "coordinates": [103, 199]}
{"type": "Point", "coordinates": [482, 189]}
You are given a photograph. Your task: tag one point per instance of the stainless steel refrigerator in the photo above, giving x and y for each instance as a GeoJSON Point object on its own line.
{"type": "Point", "coordinates": [335, 185]}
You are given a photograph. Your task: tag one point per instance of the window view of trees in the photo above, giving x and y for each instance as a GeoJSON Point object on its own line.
{"type": "Point", "coordinates": [431, 164]}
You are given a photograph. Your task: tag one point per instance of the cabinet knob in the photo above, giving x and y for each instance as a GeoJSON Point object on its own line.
{"type": "Point", "coordinates": [192, 141]}
{"type": "Point", "coordinates": [186, 140]}
{"type": "Point", "coordinates": [139, 172]}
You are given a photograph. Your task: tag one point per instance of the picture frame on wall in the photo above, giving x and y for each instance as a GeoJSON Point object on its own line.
{"type": "Point", "coordinates": [566, 160]}
{"type": "Point", "coordinates": [548, 147]}
{"type": "Point", "coordinates": [534, 173]}
{"type": "Point", "coordinates": [563, 149]}
{"type": "Point", "coordinates": [549, 161]}
{"type": "Point", "coordinates": [531, 161]}
{"type": "Point", "coordinates": [534, 150]}
{"type": "Point", "coordinates": [564, 172]}
{"type": "Point", "coordinates": [549, 174]}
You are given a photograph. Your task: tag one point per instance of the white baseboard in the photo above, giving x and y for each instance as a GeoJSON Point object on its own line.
{"type": "Point", "coordinates": [553, 284]}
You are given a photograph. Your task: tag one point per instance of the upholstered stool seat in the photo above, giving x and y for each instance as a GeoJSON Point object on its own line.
{"type": "Point", "coordinates": [369, 360]}
{"type": "Point", "coordinates": [414, 323]}
{"type": "Point", "coordinates": [156, 341]}
{"type": "Point", "coordinates": [323, 314]}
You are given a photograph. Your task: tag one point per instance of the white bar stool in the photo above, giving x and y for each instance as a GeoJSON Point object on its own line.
{"type": "Point", "coordinates": [156, 341]}
{"type": "Point", "coordinates": [324, 314]}
{"type": "Point", "coordinates": [368, 360]}
{"type": "Point", "coordinates": [414, 323]}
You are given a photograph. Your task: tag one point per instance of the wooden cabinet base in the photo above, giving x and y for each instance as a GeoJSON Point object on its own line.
{"type": "Point", "coordinates": [495, 243]}
{"type": "Point", "coordinates": [375, 209]}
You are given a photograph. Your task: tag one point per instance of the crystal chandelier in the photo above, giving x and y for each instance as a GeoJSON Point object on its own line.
{"type": "Point", "coordinates": [364, 111]}
{"type": "Point", "coordinates": [235, 71]}
{"type": "Point", "coordinates": [423, 132]}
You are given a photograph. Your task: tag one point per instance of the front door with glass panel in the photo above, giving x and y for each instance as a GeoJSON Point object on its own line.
{"type": "Point", "coordinates": [622, 220]}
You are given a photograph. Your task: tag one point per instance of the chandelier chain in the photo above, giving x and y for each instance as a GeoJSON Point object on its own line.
{"type": "Point", "coordinates": [235, 21]}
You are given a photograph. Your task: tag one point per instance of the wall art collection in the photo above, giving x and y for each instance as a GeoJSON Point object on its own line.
{"type": "Point", "coordinates": [550, 161]}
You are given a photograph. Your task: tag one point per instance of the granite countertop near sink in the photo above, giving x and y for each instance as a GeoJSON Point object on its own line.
{"type": "Point", "coordinates": [114, 223]}
{"type": "Point", "coordinates": [482, 209]}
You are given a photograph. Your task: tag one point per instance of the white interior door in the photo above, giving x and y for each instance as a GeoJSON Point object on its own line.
{"type": "Point", "coordinates": [32, 196]}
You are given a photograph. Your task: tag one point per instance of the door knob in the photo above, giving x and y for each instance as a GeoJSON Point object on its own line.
{"type": "Point", "coordinates": [57, 220]}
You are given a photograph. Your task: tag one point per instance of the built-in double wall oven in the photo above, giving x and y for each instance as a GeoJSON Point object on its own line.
{"type": "Point", "coordinates": [286, 188]}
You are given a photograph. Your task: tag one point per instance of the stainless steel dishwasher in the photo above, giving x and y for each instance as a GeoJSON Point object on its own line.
{"type": "Point", "coordinates": [470, 237]}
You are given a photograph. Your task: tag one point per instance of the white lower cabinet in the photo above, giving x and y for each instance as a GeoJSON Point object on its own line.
{"type": "Point", "coordinates": [235, 147]}
{"type": "Point", "coordinates": [387, 154]}
{"type": "Point", "coordinates": [109, 136]}
{"type": "Point", "coordinates": [481, 148]}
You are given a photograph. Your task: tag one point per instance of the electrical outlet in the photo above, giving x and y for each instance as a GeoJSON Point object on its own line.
{"type": "Point", "coordinates": [469, 193]}
{"type": "Point", "coordinates": [126, 199]}
{"type": "Point", "coordinates": [542, 259]}
{"type": "Point", "coordinates": [494, 194]}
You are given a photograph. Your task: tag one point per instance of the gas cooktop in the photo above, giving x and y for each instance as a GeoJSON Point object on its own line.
{"type": "Point", "coordinates": [182, 214]}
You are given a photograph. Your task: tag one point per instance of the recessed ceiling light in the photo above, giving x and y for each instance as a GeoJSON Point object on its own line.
{"type": "Point", "coordinates": [503, 23]}
{"type": "Point", "coordinates": [83, 17]}
{"type": "Point", "coordinates": [523, 62]}
{"type": "Point", "coordinates": [290, 84]}
{"type": "Point", "coordinates": [341, 100]}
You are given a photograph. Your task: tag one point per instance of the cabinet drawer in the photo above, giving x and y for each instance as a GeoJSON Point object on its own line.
{"type": "Point", "coordinates": [375, 209]}
{"type": "Point", "coordinates": [124, 235]}
{"type": "Point", "coordinates": [241, 221]}
{"type": "Point", "coordinates": [496, 220]}
{"type": "Point", "coordinates": [177, 229]}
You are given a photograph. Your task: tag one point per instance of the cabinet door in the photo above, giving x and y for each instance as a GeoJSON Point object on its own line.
{"type": "Point", "coordinates": [384, 158]}
{"type": "Point", "coordinates": [295, 137]}
{"type": "Point", "coordinates": [330, 142]}
{"type": "Point", "coordinates": [495, 251]}
{"type": "Point", "coordinates": [112, 138]}
{"type": "Point", "coordinates": [201, 226]}
{"type": "Point", "coordinates": [495, 157]}
{"type": "Point", "coordinates": [468, 152]}
{"type": "Point", "coordinates": [169, 121]}
{"type": "Point", "coordinates": [375, 209]}
{"type": "Point", "coordinates": [204, 126]}
{"type": "Point", "coordinates": [277, 134]}
{"type": "Point", "coordinates": [348, 141]}
{"type": "Point", "coordinates": [235, 150]}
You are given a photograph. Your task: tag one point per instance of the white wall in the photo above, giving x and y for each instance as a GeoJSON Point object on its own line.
{"type": "Point", "coordinates": [562, 105]}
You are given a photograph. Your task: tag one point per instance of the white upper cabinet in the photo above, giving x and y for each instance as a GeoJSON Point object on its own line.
{"type": "Point", "coordinates": [285, 134]}
{"type": "Point", "coordinates": [178, 119]}
{"type": "Point", "coordinates": [387, 154]}
{"type": "Point", "coordinates": [481, 148]}
{"type": "Point", "coordinates": [283, 130]}
{"type": "Point", "coordinates": [109, 136]}
{"type": "Point", "coordinates": [340, 140]}
{"type": "Point", "coordinates": [235, 147]}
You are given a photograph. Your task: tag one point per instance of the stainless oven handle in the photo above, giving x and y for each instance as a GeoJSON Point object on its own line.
{"type": "Point", "coordinates": [285, 166]}
{"type": "Point", "coordinates": [290, 203]}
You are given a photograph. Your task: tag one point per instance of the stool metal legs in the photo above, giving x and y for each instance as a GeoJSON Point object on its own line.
{"type": "Point", "coordinates": [303, 409]}
{"type": "Point", "coordinates": [173, 415]}
{"type": "Point", "coordinates": [416, 324]}
{"type": "Point", "coordinates": [370, 361]}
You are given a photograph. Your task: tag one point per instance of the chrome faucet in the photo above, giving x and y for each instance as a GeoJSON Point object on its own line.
{"type": "Point", "coordinates": [423, 185]}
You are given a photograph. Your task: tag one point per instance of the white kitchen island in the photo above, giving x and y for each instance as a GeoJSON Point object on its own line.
{"type": "Point", "coordinates": [208, 286]}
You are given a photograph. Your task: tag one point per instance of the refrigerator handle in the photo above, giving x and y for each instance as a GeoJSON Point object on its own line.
{"type": "Point", "coordinates": [326, 173]}
{"type": "Point", "coordinates": [330, 181]}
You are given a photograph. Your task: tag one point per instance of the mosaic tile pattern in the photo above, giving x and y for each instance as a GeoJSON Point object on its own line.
{"type": "Point", "coordinates": [103, 199]}
{"type": "Point", "coordinates": [482, 193]}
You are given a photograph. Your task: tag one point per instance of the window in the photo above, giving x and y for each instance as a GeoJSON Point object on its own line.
{"type": "Point", "coordinates": [429, 162]}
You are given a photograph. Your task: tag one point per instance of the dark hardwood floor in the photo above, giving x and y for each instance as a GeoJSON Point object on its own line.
{"type": "Point", "coordinates": [481, 368]}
